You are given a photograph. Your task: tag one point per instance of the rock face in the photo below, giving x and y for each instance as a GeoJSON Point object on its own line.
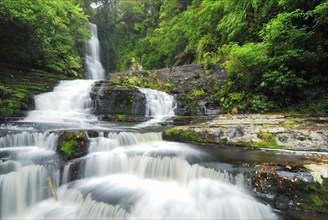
{"type": "Point", "coordinates": [291, 187]}
{"type": "Point", "coordinates": [263, 131]}
{"type": "Point", "coordinates": [189, 83]}
{"type": "Point", "coordinates": [193, 86]}
{"type": "Point", "coordinates": [110, 99]}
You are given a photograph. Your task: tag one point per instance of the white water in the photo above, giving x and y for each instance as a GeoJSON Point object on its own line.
{"type": "Point", "coordinates": [159, 106]}
{"type": "Point", "coordinates": [68, 103]}
{"type": "Point", "coordinates": [94, 69]}
{"type": "Point", "coordinates": [28, 139]}
{"type": "Point", "coordinates": [126, 175]}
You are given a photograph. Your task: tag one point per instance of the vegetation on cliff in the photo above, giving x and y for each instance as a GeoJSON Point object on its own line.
{"type": "Point", "coordinates": [274, 52]}
{"type": "Point", "coordinates": [43, 34]}
{"type": "Point", "coordinates": [19, 84]}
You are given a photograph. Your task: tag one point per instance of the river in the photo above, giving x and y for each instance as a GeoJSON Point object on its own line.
{"type": "Point", "coordinates": [129, 172]}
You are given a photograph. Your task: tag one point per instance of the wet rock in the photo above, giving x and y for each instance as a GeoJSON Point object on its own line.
{"type": "Point", "coordinates": [263, 131]}
{"type": "Point", "coordinates": [109, 99]}
{"type": "Point", "coordinates": [189, 84]}
{"type": "Point", "coordinates": [72, 144]}
{"type": "Point", "coordinates": [290, 187]}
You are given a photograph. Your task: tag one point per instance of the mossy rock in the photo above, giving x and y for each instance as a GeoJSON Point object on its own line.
{"type": "Point", "coordinates": [188, 136]}
{"type": "Point", "coordinates": [19, 84]}
{"type": "Point", "coordinates": [72, 144]}
{"type": "Point", "coordinates": [291, 187]}
{"type": "Point", "coordinates": [118, 100]}
{"type": "Point", "coordinates": [268, 141]}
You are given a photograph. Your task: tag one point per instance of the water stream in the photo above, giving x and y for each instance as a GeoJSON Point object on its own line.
{"type": "Point", "coordinates": [127, 173]}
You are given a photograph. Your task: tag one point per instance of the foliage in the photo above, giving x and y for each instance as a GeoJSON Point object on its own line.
{"type": "Point", "coordinates": [120, 118]}
{"type": "Point", "coordinates": [68, 148]}
{"type": "Point", "coordinates": [196, 94]}
{"type": "Point", "coordinates": [72, 144]}
{"type": "Point", "coordinates": [144, 79]}
{"type": "Point", "coordinates": [268, 141]}
{"type": "Point", "coordinates": [274, 52]}
{"type": "Point", "coordinates": [278, 73]}
{"type": "Point", "coordinates": [17, 85]}
{"type": "Point", "coordinates": [173, 134]}
{"type": "Point", "coordinates": [45, 34]}
{"type": "Point", "coordinates": [317, 197]}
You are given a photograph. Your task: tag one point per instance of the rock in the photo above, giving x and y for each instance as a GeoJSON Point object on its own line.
{"type": "Point", "coordinates": [109, 99]}
{"type": "Point", "coordinates": [290, 187]}
{"type": "Point", "coordinates": [263, 131]}
{"type": "Point", "coordinates": [189, 83]}
{"type": "Point", "coordinates": [72, 144]}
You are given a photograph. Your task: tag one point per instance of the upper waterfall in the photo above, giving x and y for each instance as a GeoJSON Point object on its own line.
{"type": "Point", "coordinates": [94, 68]}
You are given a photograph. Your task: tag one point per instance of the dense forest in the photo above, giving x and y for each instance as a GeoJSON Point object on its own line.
{"type": "Point", "coordinates": [274, 51]}
{"type": "Point", "coordinates": [44, 34]}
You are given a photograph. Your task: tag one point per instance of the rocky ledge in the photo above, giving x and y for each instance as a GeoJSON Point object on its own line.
{"type": "Point", "coordinates": [121, 101]}
{"type": "Point", "coordinates": [193, 88]}
{"type": "Point", "coordinates": [258, 131]}
{"type": "Point", "coordinates": [289, 186]}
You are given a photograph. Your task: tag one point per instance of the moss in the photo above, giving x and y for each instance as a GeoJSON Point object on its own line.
{"type": "Point", "coordinates": [268, 141]}
{"type": "Point", "coordinates": [72, 144]}
{"type": "Point", "coordinates": [18, 83]}
{"type": "Point", "coordinates": [144, 79]}
{"type": "Point", "coordinates": [316, 197]}
{"type": "Point", "coordinates": [68, 148]}
{"type": "Point", "coordinates": [173, 134]}
{"type": "Point", "coordinates": [120, 118]}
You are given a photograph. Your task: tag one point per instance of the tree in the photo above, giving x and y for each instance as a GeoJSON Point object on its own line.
{"type": "Point", "coordinates": [45, 34]}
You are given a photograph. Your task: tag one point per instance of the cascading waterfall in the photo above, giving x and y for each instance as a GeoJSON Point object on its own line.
{"type": "Point", "coordinates": [115, 140]}
{"type": "Point", "coordinates": [24, 187]}
{"type": "Point", "coordinates": [69, 102]}
{"type": "Point", "coordinates": [28, 139]}
{"type": "Point", "coordinates": [159, 104]}
{"type": "Point", "coordinates": [125, 175]}
{"type": "Point", "coordinates": [94, 68]}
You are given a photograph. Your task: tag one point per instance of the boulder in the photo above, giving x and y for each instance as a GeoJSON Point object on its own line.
{"type": "Point", "coordinates": [72, 144]}
{"type": "Point", "coordinates": [109, 99]}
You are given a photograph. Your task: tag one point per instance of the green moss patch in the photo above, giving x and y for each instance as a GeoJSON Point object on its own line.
{"type": "Point", "coordinates": [72, 144]}
{"type": "Point", "coordinates": [268, 141]}
{"type": "Point", "coordinates": [173, 134]}
{"type": "Point", "coordinates": [19, 84]}
{"type": "Point", "coordinates": [120, 118]}
{"type": "Point", "coordinates": [144, 79]}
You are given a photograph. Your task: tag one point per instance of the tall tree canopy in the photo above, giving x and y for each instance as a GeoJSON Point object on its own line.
{"type": "Point", "coordinates": [43, 33]}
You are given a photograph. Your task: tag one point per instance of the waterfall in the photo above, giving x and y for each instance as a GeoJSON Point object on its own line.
{"type": "Point", "coordinates": [125, 175]}
{"type": "Point", "coordinates": [22, 188]}
{"type": "Point", "coordinates": [94, 68]}
{"type": "Point", "coordinates": [159, 104]}
{"type": "Point", "coordinates": [29, 139]}
{"type": "Point", "coordinates": [69, 102]}
{"type": "Point", "coordinates": [115, 140]}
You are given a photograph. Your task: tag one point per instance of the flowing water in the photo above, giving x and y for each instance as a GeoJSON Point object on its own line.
{"type": "Point", "coordinates": [128, 173]}
{"type": "Point", "coordinates": [94, 69]}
